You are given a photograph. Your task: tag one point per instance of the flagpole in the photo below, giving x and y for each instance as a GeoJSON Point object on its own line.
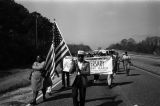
{"type": "Point", "coordinates": [62, 36]}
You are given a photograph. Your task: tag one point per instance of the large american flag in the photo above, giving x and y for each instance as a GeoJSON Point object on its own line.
{"type": "Point", "coordinates": [57, 51]}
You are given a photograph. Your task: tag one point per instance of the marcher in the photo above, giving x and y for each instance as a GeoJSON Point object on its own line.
{"type": "Point", "coordinates": [81, 70]}
{"type": "Point", "coordinates": [121, 60]}
{"type": "Point", "coordinates": [118, 61]}
{"type": "Point", "coordinates": [115, 62]}
{"type": "Point", "coordinates": [110, 76]}
{"type": "Point", "coordinates": [37, 79]}
{"type": "Point", "coordinates": [96, 76]}
{"type": "Point", "coordinates": [65, 73]}
{"type": "Point", "coordinates": [127, 62]}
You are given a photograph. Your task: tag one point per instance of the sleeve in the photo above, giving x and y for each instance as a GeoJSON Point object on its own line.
{"type": "Point", "coordinates": [34, 66]}
{"type": "Point", "coordinates": [30, 75]}
{"type": "Point", "coordinates": [38, 66]}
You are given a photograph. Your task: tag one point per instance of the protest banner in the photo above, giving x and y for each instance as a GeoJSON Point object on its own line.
{"type": "Point", "coordinates": [67, 63]}
{"type": "Point", "coordinates": [100, 65]}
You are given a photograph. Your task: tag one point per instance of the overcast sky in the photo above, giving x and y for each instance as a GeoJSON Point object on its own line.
{"type": "Point", "coordinates": [99, 23]}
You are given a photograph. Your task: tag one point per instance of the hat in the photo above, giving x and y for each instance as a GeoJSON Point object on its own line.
{"type": "Point", "coordinates": [80, 52]}
{"type": "Point", "coordinates": [103, 51]}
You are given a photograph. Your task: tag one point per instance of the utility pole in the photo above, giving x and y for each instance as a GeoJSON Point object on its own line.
{"type": "Point", "coordinates": [36, 37]}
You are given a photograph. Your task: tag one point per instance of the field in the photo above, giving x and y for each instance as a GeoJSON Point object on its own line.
{"type": "Point", "coordinates": [13, 81]}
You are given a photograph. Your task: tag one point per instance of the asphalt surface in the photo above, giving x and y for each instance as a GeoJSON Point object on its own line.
{"type": "Point", "coordinates": [98, 94]}
{"type": "Point", "coordinates": [141, 88]}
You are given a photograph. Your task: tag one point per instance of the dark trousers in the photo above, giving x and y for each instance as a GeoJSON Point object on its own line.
{"type": "Point", "coordinates": [63, 78]}
{"type": "Point", "coordinates": [118, 66]}
{"type": "Point", "coordinates": [115, 67]}
{"type": "Point", "coordinates": [96, 77]}
{"type": "Point", "coordinates": [78, 89]}
{"type": "Point", "coordinates": [35, 94]}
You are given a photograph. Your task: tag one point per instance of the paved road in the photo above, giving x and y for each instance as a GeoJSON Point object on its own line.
{"type": "Point", "coordinates": [140, 89]}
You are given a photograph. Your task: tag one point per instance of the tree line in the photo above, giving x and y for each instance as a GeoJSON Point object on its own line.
{"type": "Point", "coordinates": [18, 29]}
{"type": "Point", "coordinates": [150, 45]}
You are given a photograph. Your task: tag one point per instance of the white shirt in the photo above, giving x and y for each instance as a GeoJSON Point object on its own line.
{"type": "Point", "coordinates": [126, 57]}
{"type": "Point", "coordinates": [80, 64]}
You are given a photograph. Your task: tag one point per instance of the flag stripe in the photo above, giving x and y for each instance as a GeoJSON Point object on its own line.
{"type": "Point", "coordinates": [59, 45]}
{"type": "Point", "coordinates": [51, 70]}
{"type": "Point", "coordinates": [62, 55]}
{"type": "Point", "coordinates": [50, 52]}
{"type": "Point", "coordinates": [60, 51]}
{"type": "Point", "coordinates": [50, 61]}
{"type": "Point", "coordinates": [57, 51]}
{"type": "Point", "coordinates": [52, 75]}
{"type": "Point", "coordinates": [50, 57]}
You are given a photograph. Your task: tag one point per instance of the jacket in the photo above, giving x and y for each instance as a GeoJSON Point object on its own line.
{"type": "Point", "coordinates": [84, 72]}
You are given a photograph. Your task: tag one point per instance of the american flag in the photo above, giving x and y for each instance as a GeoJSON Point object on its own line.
{"type": "Point", "coordinates": [57, 51]}
{"type": "Point", "coordinates": [60, 46]}
{"type": "Point", "coordinates": [50, 61]}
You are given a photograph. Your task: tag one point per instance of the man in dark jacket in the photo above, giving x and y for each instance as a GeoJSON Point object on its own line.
{"type": "Point", "coordinates": [81, 70]}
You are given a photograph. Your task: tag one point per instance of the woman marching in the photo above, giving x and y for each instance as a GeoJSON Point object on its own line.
{"type": "Point", "coordinates": [37, 79]}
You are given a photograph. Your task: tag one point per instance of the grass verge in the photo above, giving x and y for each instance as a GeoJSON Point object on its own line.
{"type": "Point", "coordinates": [15, 81]}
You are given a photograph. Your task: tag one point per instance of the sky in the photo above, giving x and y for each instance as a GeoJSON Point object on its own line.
{"type": "Point", "coordinates": [99, 23]}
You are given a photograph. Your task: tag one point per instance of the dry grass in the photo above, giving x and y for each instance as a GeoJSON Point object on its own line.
{"type": "Point", "coordinates": [15, 81]}
{"type": "Point", "coordinates": [148, 66]}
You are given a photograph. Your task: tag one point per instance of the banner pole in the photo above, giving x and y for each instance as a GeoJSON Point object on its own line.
{"type": "Point", "coordinates": [62, 37]}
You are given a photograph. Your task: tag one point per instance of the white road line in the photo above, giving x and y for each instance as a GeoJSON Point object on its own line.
{"type": "Point", "coordinates": [148, 72]}
{"type": "Point", "coordinates": [42, 95]}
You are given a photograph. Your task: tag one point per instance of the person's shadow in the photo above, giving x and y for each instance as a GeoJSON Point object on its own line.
{"type": "Point", "coordinates": [59, 96]}
{"type": "Point", "coordinates": [98, 83]}
{"type": "Point", "coordinates": [59, 90]}
{"type": "Point", "coordinates": [134, 74]}
{"type": "Point", "coordinates": [121, 83]}
{"type": "Point", "coordinates": [103, 82]}
{"type": "Point", "coordinates": [121, 72]}
{"type": "Point", "coordinates": [110, 101]}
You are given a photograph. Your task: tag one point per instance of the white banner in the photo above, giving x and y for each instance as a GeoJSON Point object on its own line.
{"type": "Point", "coordinates": [67, 63]}
{"type": "Point", "coordinates": [100, 65]}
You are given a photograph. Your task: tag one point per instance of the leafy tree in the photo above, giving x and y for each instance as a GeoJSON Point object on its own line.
{"type": "Point", "coordinates": [150, 45]}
